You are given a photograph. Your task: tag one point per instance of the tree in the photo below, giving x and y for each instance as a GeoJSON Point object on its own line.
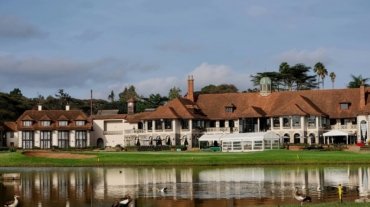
{"type": "Point", "coordinates": [332, 78]}
{"type": "Point", "coordinates": [286, 75]}
{"type": "Point", "coordinates": [223, 88]}
{"type": "Point", "coordinates": [357, 81]}
{"type": "Point", "coordinates": [321, 72]}
{"type": "Point", "coordinates": [111, 96]}
{"type": "Point", "coordinates": [154, 100]}
{"type": "Point", "coordinates": [289, 77]}
{"type": "Point", "coordinates": [128, 93]}
{"type": "Point", "coordinates": [64, 98]}
{"type": "Point", "coordinates": [299, 77]}
{"type": "Point", "coordinates": [174, 92]}
{"type": "Point", "coordinates": [274, 76]}
{"type": "Point", "coordinates": [16, 92]}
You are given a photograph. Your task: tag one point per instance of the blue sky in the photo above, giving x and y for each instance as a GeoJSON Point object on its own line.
{"type": "Point", "coordinates": [154, 45]}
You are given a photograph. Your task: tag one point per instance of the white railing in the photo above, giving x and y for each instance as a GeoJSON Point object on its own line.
{"type": "Point", "coordinates": [134, 131]}
{"type": "Point", "coordinates": [218, 129]}
{"type": "Point", "coordinates": [112, 132]}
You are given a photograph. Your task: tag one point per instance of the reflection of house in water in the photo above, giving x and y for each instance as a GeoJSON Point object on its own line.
{"type": "Point", "coordinates": [80, 186]}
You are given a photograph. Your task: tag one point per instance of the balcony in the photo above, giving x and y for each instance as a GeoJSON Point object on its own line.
{"type": "Point", "coordinates": [218, 129]}
{"type": "Point", "coordinates": [112, 132]}
{"type": "Point", "coordinates": [134, 131]}
{"type": "Point", "coordinates": [344, 127]}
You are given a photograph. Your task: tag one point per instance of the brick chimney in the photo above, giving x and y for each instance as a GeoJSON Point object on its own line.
{"type": "Point", "coordinates": [131, 106]}
{"type": "Point", "coordinates": [190, 94]}
{"type": "Point", "coordinates": [362, 97]}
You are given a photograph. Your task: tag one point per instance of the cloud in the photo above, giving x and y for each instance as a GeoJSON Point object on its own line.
{"type": "Point", "coordinates": [14, 27]}
{"type": "Point", "coordinates": [177, 46]}
{"type": "Point", "coordinates": [57, 73]}
{"type": "Point", "coordinates": [206, 74]}
{"type": "Point", "coordinates": [157, 85]}
{"type": "Point", "coordinates": [310, 58]}
{"type": "Point", "coordinates": [256, 11]}
{"type": "Point", "coordinates": [88, 35]}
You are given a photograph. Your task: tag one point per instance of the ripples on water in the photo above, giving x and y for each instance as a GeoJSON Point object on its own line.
{"type": "Point", "coordinates": [197, 186]}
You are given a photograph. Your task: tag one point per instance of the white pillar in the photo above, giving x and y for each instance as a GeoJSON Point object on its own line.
{"type": "Point", "coordinates": [258, 124]}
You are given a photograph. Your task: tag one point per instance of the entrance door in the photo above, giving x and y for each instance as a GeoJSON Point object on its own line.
{"type": "Point", "coordinates": [100, 143]}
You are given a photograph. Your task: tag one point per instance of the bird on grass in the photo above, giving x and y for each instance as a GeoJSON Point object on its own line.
{"type": "Point", "coordinates": [12, 203]}
{"type": "Point", "coordinates": [300, 197]}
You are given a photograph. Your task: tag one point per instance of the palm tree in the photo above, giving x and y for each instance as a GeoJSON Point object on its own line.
{"type": "Point", "coordinates": [332, 77]}
{"type": "Point", "coordinates": [357, 81]}
{"type": "Point", "coordinates": [321, 71]}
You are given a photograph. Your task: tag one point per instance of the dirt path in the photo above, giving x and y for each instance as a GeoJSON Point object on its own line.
{"type": "Point", "coordinates": [57, 155]}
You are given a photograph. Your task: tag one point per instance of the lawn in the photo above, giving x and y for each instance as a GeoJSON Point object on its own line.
{"type": "Point", "coordinates": [273, 157]}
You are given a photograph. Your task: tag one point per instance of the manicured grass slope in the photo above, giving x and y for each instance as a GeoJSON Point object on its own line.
{"type": "Point", "coordinates": [274, 157]}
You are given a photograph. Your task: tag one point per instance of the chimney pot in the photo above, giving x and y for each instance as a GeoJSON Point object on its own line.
{"type": "Point", "coordinates": [67, 107]}
{"type": "Point", "coordinates": [39, 107]}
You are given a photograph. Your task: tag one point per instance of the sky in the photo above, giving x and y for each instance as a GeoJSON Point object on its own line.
{"type": "Point", "coordinates": [83, 45]}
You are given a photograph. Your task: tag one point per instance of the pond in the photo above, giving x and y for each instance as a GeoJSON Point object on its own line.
{"type": "Point", "coordinates": [187, 186]}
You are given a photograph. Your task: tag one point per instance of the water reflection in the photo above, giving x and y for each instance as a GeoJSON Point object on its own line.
{"type": "Point", "coordinates": [199, 186]}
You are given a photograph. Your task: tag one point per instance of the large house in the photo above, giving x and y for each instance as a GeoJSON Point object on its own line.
{"type": "Point", "coordinates": [46, 129]}
{"type": "Point", "coordinates": [307, 116]}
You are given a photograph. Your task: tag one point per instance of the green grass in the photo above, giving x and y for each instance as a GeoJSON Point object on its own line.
{"type": "Point", "coordinates": [273, 157]}
{"type": "Point", "coordinates": [333, 204]}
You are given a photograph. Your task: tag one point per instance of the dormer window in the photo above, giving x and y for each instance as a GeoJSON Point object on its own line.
{"type": "Point", "coordinates": [45, 123]}
{"type": "Point", "coordinates": [27, 123]}
{"type": "Point", "coordinates": [230, 108]}
{"type": "Point", "coordinates": [80, 123]}
{"type": "Point", "coordinates": [344, 106]}
{"type": "Point", "coordinates": [63, 123]}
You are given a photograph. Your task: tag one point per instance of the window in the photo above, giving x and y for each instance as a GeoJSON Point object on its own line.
{"type": "Point", "coordinates": [311, 120]}
{"type": "Point", "coordinates": [229, 109]}
{"type": "Point", "coordinates": [45, 123]}
{"type": "Point", "coordinates": [27, 139]}
{"type": "Point", "coordinates": [158, 124]}
{"type": "Point", "coordinates": [184, 124]}
{"type": "Point", "coordinates": [167, 124]}
{"type": "Point", "coordinates": [296, 121]}
{"type": "Point", "coordinates": [63, 123]}
{"type": "Point", "coordinates": [222, 123]}
{"type": "Point", "coordinates": [27, 123]}
{"type": "Point", "coordinates": [237, 146]}
{"type": "Point", "coordinates": [63, 139]}
{"type": "Point", "coordinates": [45, 139]}
{"type": "Point", "coordinates": [258, 145]}
{"type": "Point", "coordinates": [80, 123]}
{"type": "Point", "coordinates": [247, 145]}
{"type": "Point", "coordinates": [286, 122]}
{"type": "Point", "coordinates": [344, 106]}
{"type": "Point", "coordinates": [276, 122]}
{"type": "Point", "coordinates": [150, 125]}
{"type": "Point", "coordinates": [81, 139]}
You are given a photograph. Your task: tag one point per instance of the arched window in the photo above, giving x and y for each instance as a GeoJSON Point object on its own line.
{"type": "Point", "coordinates": [297, 138]}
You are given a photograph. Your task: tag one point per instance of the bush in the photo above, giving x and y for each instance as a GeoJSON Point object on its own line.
{"type": "Point", "coordinates": [4, 148]}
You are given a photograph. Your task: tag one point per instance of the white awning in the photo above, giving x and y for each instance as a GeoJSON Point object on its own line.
{"type": "Point", "coordinates": [335, 133]}
{"type": "Point", "coordinates": [251, 136]}
{"type": "Point", "coordinates": [211, 137]}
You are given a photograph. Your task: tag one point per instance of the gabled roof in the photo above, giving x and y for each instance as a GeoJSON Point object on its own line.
{"type": "Point", "coordinates": [252, 105]}
{"type": "Point", "coordinates": [54, 116]}
{"type": "Point", "coordinates": [176, 109]}
{"type": "Point", "coordinates": [253, 112]}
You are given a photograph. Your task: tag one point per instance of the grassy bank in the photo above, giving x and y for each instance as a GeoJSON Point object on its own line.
{"type": "Point", "coordinates": [274, 157]}
{"type": "Point", "coordinates": [335, 204]}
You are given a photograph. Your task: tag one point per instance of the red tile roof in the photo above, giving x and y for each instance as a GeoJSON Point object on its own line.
{"type": "Point", "coordinates": [286, 103]}
{"type": "Point", "coordinates": [54, 116]}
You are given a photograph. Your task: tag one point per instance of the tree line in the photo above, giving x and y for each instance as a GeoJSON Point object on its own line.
{"type": "Point", "coordinates": [296, 77]}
